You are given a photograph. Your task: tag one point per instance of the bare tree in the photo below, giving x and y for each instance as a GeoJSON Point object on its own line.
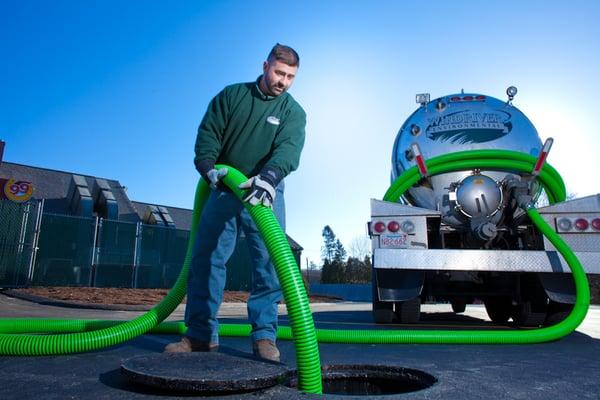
{"type": "Point", "coordinates": [360, 247]}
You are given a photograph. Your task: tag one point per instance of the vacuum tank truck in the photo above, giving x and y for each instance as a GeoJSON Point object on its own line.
{"type": "Point", "coordinates": [461, 237]}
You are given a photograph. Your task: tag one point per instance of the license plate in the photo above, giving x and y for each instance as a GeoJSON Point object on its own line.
{"type": "Point", "coordinates": [393, 241]}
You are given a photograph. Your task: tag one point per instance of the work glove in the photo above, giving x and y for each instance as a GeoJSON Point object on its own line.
{"type": "Point", "coordinates": [215, 175]}
{"type": "Point", "coordinates": [261, 188]}
{"type": "Point", "coordinates": [210, 174]}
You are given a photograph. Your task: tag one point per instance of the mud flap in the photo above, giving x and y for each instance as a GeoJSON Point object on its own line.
{"type": "Point", "coordinates": [398, 285]}
{"type": "Point", "coordinates": [559, 287]}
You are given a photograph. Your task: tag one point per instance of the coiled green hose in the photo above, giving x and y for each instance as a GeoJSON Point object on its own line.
{"type": "Point", "coordinates": [302, 329]}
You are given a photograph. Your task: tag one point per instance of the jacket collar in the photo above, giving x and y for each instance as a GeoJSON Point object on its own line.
{"type": "Point", "coordinates": [259, 92]}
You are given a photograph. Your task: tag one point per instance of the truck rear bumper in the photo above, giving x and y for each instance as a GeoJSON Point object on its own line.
{"type": "Point", "coordinates": [482, 260]}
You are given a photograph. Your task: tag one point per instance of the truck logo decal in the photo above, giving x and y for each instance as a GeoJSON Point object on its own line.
{"type": "Point", "coordinates": [465, 127]}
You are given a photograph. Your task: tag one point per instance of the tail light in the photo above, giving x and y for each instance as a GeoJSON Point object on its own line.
{"type": "Point", "coordinates": [564, 224]}
{"type": "Point", "coordinates": [578, 224]}
{"type": "Point", "coordinates": [408, 226]}
{"type": "Point", "coordinates": [581, 224]}
{"type": "Point", "coordinates": [393, 226]}
{"type": "Point", "coordinates": [379, 227]}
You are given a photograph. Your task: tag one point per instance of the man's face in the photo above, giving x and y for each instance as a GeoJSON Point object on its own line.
{"type": "Point", "coordinates": [277, 77]}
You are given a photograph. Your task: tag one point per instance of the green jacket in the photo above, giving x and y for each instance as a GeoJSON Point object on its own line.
{"type": "Point", "coordinates": [248, 130]}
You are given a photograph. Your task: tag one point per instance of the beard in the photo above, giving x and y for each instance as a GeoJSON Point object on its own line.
{"type": "Point", "coordinates": [275, 88]}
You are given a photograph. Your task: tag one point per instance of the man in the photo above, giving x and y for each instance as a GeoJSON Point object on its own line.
{"type": "Point", "coordinates": [258, 128]}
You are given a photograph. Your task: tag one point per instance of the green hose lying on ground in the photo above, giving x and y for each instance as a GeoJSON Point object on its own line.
{"type": "Point", "coordinates": [302, 326]}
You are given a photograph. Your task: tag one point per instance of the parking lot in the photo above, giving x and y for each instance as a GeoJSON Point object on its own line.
{"type": "Point", "coordinates": [568, 368]}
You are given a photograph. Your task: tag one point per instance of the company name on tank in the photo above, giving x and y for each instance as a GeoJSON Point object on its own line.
{"type": "Point", "coordinates": [466, 120]}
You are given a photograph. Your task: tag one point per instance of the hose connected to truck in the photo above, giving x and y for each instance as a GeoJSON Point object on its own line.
{"type": "Point", "coordinates": [302, 329]}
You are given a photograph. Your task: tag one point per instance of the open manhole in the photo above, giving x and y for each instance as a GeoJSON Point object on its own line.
{"type": "Point", "coordinates": [370, 380]}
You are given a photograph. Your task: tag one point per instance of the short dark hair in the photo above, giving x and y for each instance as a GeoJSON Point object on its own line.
{"type": "Point", "coordinates": [285, 54]}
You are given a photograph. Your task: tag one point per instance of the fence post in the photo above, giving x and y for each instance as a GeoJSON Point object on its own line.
{"type": "Point", "coordinates": [136, 254]}
{"type": "Point", "coordinates": [36, 239]}
{"type": "Point", "coordinates": [21, 244]}
{"type": "Point", "coordinates": [95, 250]}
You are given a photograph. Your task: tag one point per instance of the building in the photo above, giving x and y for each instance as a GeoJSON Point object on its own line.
{"type": "Point", "coordinates": [64, 228]}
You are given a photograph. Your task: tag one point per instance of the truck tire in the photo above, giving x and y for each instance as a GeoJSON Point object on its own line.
{"type": "Point", "coordinates": [409, 311]}
{"type": "Point", "coordinates": [459, 306]}
{"type": "Point", "coordinates": [529, 314]}
{"type": "Point", "coordinates": [498, 309]}
{"type": "Point", "coordinates": [383, 316]}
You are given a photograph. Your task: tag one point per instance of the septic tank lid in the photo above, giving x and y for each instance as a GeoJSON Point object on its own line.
{"type": "Point", "coordinates": [203, 372]}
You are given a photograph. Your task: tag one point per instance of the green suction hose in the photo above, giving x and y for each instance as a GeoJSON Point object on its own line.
{"type": "Point", "coordinates": [292, 286]}
{"type": "Point", "coordinates": [302, 329]}
{"type": "Point", "coordinates": [502, 160]}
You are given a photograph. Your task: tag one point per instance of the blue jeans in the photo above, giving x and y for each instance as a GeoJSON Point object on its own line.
{"type": "Point", "coordinates": [222, 218]}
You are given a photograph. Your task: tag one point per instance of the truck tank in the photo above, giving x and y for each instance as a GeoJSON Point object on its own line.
{"type": "Point", "coordinates": [471, 201]}
{"type": "Point", "coordinates": [462, 237]}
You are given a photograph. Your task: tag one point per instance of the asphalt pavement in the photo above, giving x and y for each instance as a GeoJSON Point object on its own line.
{"type": "Point", "coordinates": [568, 368]}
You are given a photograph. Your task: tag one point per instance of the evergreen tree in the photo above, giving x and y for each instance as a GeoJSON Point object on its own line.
{"type": "Point", "coordinates": [333, 255]}
{"type": "Point", "coordinates": [333, 272]}
{"type": "Point", "coordinates": [358, 271]}
{"type": "Point", "coordinates": [328, 249]}
{"type": "Point", "coordinates": [339, 253]}
{"type": "Point", "coordinates": [326, 273]}
{"type": "Point", "coordinates": [369, 268]}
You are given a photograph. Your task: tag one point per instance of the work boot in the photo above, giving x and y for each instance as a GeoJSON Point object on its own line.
{"type": "Point", "coordinates": [265, 349]}
{"type": "Point", "coordinates": [188, 345]}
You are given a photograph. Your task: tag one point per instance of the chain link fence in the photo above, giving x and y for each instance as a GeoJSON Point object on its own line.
{"type": "Point", "coordinates": [160, 255]}
{"type": "Point", "coordinates": [46, 249]}
{"type": "Point", "coordinates": [18, 226]}
{"type": "Point", "coordinates": [64, 254]}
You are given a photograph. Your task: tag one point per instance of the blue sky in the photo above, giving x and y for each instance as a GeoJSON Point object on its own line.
{"type": "Point", "coordinates": [117, 89]}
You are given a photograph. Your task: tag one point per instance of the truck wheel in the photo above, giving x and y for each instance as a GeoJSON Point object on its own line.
{"type": "Point", "coordinates": [383, 316]}
{"type": "Point", "coordinates": [383, 311]}
{"type": "Point", "coordinates": [408, 312]}
{"type": "Point", "coordinates": [459, 306]}
{"type": "Point", "coordinates": [529, 314]}
{"type": "Point", "coordinates": [498, 309]}
{"type": "Point", "coordinates": [557, 312]}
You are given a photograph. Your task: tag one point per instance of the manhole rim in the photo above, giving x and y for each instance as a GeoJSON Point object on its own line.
{"type": "Point", "coordinates": [364, 371]}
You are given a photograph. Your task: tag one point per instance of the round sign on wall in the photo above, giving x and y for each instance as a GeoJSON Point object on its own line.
{"type": "Point", "coordinates": [18, 191]}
